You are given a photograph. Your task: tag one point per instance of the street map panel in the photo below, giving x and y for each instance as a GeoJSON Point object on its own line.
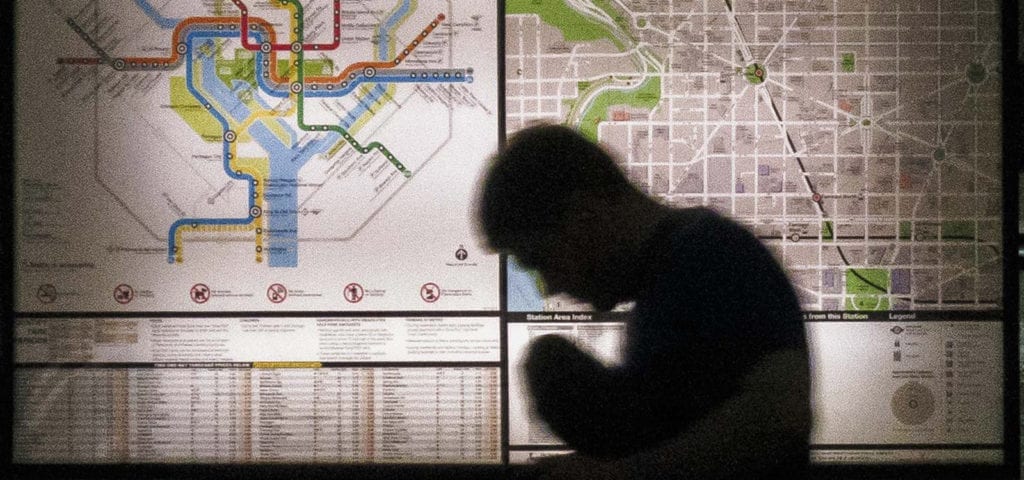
{"type": "Point", "coordinates": [860, 139]}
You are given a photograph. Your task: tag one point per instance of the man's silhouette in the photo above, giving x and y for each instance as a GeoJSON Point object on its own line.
{"type": "Point", "coordinates": [714, 381]}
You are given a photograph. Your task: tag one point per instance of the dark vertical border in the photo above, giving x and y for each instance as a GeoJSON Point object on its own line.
{"type": "Point", "coordinates": [7, 64]}
{"type": "Point", "coordinates": [1012, 142]}
{"type": "Point", "coordinates": [503, 259]}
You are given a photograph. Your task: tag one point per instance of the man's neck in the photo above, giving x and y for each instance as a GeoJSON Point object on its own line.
{"type": "Point", "coordinates": [637, 227]}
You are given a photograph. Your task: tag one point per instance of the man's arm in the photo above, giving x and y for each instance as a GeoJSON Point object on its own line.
{"type": "Point", "coordinates": [595, 409]}
{"type": "Point", "coordinates": [763, 428]}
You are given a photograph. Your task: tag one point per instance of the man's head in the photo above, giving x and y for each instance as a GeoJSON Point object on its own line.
{"type": "Point", "coordinates": [560, 204]}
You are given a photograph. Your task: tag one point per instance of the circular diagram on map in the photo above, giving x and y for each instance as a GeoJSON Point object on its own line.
{"type": "Point", "coordinates": [913, 403]}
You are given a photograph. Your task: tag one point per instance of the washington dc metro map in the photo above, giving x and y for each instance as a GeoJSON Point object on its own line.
{"type": "Point", "coordinates": [245, 155]}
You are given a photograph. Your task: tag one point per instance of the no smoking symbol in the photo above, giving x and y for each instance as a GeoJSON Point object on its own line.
{"type": "Point", "coordinates": [124, 294]}
{"type": "Point", "coordinates": [354, 292]}
{"type": "Point", "coordinates": [277, 293]}
{"type": "Point", "coordinates": [430, 292]}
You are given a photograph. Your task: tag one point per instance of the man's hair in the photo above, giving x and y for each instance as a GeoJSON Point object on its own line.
{"type": "Point", "coordinates": [530, 183]}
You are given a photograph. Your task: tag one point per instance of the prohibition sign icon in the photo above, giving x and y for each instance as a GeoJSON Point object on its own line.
{"type": "Point", "coordinates": [353, 292]}
{"type": "Point", "coordinates": [124, 294]}
{"type": "Point", "coordinates": [200, 293]}
{"type": "Point", "coordinates": [277, 293]}
{"type": "Point", "coordinates": [47, 293]}
{"type": "Point", "coordinates": [430, 292]}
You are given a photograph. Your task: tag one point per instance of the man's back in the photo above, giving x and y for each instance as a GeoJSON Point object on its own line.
{"type": "Point", "coordinates": [715, 304]}
{"type": "Point", "coordinates": [714, 312]}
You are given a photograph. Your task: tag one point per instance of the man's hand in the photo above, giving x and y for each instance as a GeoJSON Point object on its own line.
{"type": "Point", "coordinates": [762, 429]}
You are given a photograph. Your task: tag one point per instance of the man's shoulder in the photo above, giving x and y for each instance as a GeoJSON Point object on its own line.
{"type": "Point", "coordinates": [703, 221]}
{"type": "Point", "coordinates": [711, 265]}
{"type": "Point", "coordinates": [695, 236]}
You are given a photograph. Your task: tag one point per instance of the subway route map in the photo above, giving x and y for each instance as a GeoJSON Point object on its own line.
{"type": "Point", "coordinates": [245, 155]}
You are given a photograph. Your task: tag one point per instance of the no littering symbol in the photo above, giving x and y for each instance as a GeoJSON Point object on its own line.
{"type": "Point", "coordinates": [353, 292]}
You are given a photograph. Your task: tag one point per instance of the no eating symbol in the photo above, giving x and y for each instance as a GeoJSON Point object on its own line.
{"type": "Point", "coordinates": [277, 293]}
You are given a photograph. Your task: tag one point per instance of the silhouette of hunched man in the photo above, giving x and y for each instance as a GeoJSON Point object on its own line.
{"type": "Point", "coordinates": [714, 381]}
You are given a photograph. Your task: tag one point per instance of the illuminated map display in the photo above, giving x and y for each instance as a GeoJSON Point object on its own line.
{"type": "Point", "coordinates": [860, 140]}
{"type": "Point", "coordinates": [240, 155]}
{"type": "Point", "coordinates": [244, 227]}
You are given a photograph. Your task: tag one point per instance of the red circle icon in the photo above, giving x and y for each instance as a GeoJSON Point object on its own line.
{"type": "Point", "coordinates": [200, 293]}
{"type": "Point", "coordinates": [124, 294]}
{"type": "Point", "coordinates": [354, 292]}
{"type": "Point", "coordinates": [430, 292]}
{"type": "Point", "coordinates": [47, 293]}
{"type": "Point", "coordinates": [277, 293]}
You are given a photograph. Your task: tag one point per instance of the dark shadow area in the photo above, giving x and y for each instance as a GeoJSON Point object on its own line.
{"type": "Point", "coordinates": [453, 472]}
